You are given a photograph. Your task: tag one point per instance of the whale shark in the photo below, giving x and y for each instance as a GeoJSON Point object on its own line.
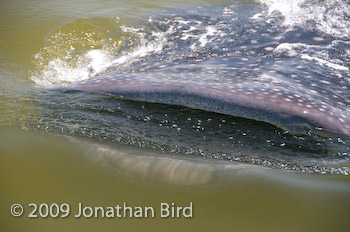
{"type": "Point", "coordinates": [242, 64]}
{"type": "Point", "coordinates": [226, 81]}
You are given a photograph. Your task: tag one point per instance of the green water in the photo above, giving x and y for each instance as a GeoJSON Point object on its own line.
{"type": "Point", "coordinates": [44, 168]}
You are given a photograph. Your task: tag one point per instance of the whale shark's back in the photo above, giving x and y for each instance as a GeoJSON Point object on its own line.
{"type": "Point", "coordinates": [284, 107]}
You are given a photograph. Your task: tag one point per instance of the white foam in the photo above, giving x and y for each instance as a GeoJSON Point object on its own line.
{"type": "Point", "coordinates": [146, 46]}
{"type": "Point", "coordinates": [330, 16]}
{"type": "Point", "coordinates": [257, 16]}
{"type": "Point", "coordinates": [324, 62]}
{"type": "Point", "coordinates": [228, 11]}
{"type": "Point", "coordinates": [203, 39]}
{"type": "Point", "coordinates": [60, 71]}
{"type": "Point", "coordinates": [315, 53]}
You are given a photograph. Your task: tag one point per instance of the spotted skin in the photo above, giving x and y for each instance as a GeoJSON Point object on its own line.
{"type": "Point", "coordinates": [251, 100]}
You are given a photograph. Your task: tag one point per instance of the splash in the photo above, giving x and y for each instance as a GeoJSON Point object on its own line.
{"type": "Point", "coordinates": [81, 50]}
{"type": "Point", "coordinates": [328, 16]}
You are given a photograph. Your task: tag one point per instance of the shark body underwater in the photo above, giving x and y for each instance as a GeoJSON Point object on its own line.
{"type": "Point", "coordinates": [241, 61]}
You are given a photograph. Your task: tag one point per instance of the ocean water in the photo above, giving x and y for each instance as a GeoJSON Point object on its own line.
{"type": "Point", "coordinates": [239, 172]}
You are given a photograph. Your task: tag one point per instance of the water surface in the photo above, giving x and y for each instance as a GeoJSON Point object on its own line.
{"type": "Point", "coordinates": [240, 173]}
